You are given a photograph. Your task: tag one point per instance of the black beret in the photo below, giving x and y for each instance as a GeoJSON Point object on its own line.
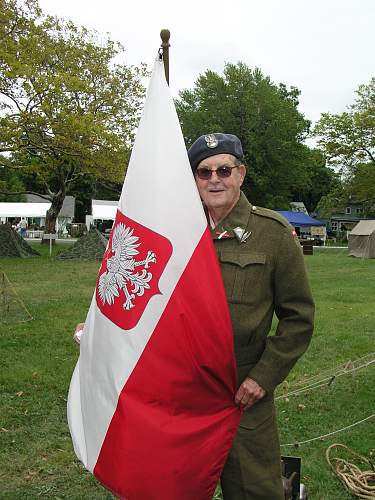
{"type": "Point", "coordinates": [214, 144]}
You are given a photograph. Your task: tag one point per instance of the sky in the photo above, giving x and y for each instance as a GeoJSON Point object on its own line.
{"type": "Point", "coordinates": [325, 48]}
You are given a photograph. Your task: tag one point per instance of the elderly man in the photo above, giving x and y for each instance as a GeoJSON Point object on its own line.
{"type": "Point", "coordinates": [264, 273]}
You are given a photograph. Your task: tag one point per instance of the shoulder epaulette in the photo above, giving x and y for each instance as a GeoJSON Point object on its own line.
{"type": "Point", "coordinates": [270, 214]}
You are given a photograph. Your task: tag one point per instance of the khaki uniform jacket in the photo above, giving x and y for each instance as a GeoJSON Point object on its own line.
{"type": "Point", "coordinates": [264, 273]}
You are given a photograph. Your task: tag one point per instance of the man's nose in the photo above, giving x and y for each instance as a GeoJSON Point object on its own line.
{"type": "Point", "coordinates": [214, 177]}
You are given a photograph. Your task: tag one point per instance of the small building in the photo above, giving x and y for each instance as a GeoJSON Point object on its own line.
{"type": "Point", "coordinates": [361, 240]}
{"type": "Point", "coordinates": [346, 217]}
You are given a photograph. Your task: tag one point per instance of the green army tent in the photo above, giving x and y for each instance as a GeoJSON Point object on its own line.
{"type": "Point", "coordinates": [91, 246]}
{"type": "Point", "coordinates": [12, 245]}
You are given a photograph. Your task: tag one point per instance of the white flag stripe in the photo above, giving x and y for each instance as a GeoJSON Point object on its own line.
{"type": "Point", "coordinates": [165, 153]}
{"type": "Point", "coordinates": [165, 168]}
{"type": "Point", "coordinates": [75, 417]}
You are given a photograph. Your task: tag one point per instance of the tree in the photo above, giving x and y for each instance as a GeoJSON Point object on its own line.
{"type": "Point", "coordinates": [10, 181]}
{"type": "Point", "coordinates": [320, 180]}
{"type": "Point", "coordinates": [359, 187]}
{"type": "Point", "coordinates": [266, 119]}
{"type": "Point", "coordinates": [67, 109]}
{"type": "Point", "coordinates": [348, 139]}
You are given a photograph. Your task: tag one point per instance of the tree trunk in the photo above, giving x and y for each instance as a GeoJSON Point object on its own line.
{"type": "Point", "coordinates": [51, 215]}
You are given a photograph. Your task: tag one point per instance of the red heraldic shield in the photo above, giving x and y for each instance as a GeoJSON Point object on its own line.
{"type": "Point", "coordinates": [131, 268]}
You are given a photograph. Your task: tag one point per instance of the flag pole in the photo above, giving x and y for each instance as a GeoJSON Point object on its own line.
{"type": "Point", "coordinates": [164, 35]}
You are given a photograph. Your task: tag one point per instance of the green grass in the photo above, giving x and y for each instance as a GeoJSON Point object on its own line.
{"type": "Point", "coordinates": [37, 359]}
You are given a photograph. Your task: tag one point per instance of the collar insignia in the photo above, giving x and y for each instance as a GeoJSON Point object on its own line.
{"type": "Point", "coordinates": [223, 234]}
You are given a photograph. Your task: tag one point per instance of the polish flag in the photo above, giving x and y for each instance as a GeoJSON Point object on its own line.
{"type": "Point", "coordinates": [151, 402]}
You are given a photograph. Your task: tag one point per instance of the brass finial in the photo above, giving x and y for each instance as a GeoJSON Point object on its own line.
{"type": "Point", "coordinates": [165, 35]}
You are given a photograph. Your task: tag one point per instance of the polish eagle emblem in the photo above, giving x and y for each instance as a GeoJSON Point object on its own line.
{"type": "Point", "coordinates": [122, 273]}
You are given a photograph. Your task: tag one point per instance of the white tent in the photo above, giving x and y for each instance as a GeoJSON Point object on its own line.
{"type": "Point", "coordinates": [23, 209]}
{"type": "Point", "coordinates": [103, 209]}
{"type": "Point", "coordinates": [362, 239]}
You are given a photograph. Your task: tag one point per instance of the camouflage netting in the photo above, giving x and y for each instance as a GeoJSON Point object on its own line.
{"type": "Point", "coordinates": [91, 246]}
{"type": "Point", "coordinates": [12, 309]}
{"type": "Point", "coordinates": [12, 245]}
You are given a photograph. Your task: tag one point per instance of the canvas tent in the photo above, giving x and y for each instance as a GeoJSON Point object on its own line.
{"type": "Point", "coordinates": [34, 210]}
{"type": "Point", "coordinates": [23, 209]}
{"type": "Point", "coordinates": [103, 213]}
{"type": "Point", "coordinates": [103, 209]}
{"type": "Point", "coordinates": [362, 240]}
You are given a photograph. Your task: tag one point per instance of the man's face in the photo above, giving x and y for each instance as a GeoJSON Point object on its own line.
{"type": "Point", "coordinates": [220, 193]}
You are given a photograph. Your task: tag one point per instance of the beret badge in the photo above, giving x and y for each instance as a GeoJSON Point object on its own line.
{"type": "Point", "coordinates": [211, 141]}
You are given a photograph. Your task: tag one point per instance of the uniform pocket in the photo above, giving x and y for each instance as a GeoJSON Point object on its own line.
{"type": "Point", "coordinates": [242, 272]}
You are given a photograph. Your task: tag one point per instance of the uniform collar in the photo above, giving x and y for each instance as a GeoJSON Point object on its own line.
{"type": "Point", "coordinates": [238, 217]}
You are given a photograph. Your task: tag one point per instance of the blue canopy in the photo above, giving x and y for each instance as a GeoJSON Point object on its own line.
{"type": "Point", "coordinates": [300, 219]}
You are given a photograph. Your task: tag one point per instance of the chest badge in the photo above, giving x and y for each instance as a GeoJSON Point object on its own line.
{"type": "Point", "coordinates": [241, 234]}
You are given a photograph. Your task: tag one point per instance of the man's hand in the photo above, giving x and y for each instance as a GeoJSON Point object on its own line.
{"type": "Point", "coordinates": [78, 332]}
{"type": "Point", "coordinates": [248, 393]}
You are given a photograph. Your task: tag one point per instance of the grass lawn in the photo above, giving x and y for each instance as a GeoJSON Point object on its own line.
{"type": "Point", "coordinates": [38, 357]}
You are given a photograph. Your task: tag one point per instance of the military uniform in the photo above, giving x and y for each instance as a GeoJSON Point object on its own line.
{"type": "Point", "coordinates": [263, 272]}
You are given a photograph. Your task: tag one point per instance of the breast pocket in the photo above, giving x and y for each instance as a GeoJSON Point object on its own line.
{"type": "Point", "coordinates": [243, 274]}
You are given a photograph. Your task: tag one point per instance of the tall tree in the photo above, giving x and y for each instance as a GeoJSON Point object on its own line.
{"type": "Point", "coordinates": [264, 116]}
{"type": "Point", "coordinates": [67, 109]}
{"type": "Point", "coordinates": [357, 187]}
{"type": "Point", "coordinates": [320, 180]}
{"type": "Point", "coordinates": [10, 181]}
{"type": "Point", "coordinates": [348, 139]}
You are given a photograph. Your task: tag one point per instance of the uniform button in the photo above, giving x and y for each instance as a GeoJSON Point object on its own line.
{"type": "Point", "coordinates": [254, 207]}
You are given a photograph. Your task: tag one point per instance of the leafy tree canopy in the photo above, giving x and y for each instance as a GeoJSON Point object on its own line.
{"type": "Point", "coordinates": [348, 139]}
{"type": "Point", "coordinates": [265, 117]}
{"type": "Point", "coordinates": [357, 187]}
{"type": "Point", "coordinates": [67, 109]}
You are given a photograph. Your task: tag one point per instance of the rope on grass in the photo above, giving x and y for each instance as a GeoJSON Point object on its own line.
{"type": "Point", "coordinates": [358, 482]}
{"type": "Point", "coordinates": [330, 376]}
{"type": "Point", "coordinates": [343, 367]}
{"type": "Point", "coordinates": [297, 444]}
{"type": "Point", "coordinates": [6, 300]}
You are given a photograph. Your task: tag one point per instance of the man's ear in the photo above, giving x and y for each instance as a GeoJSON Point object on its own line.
{"type": "Point", "coordinates": [242, 170]}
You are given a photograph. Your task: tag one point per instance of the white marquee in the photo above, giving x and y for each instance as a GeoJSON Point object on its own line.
{"type": "Point", "coordinates": [104, 210]}
{"type": "Point", "coordinates": [23, 209]}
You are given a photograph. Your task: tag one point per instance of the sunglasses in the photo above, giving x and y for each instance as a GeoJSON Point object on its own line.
{"type": "Point", "coordinates": [222, 172]}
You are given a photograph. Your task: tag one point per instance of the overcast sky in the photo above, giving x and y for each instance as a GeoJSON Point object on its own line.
{"type": "Point", "coordinates": [324, 47]}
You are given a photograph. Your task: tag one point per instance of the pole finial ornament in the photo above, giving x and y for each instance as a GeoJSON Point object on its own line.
{"type": "Point", "coordinates": [165, 35]}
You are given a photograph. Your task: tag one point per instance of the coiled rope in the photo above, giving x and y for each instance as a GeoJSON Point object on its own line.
{"type": "Point", "coordinates": [357, 481]}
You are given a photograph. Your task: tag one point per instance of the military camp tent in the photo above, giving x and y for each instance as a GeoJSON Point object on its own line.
{"type": "Point", "coordinates": [362, 240]}
{"type": "Point", "coordinates": [12, 245]}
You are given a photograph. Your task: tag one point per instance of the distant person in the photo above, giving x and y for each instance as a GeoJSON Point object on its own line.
{"type": "Point", "coordinates": [22, 227]}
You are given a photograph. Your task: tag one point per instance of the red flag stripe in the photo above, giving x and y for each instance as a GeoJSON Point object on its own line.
{"type": "Point", "coordinates": [175, 418]}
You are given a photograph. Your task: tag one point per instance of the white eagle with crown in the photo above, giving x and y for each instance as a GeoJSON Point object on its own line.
{"type": "Point", "coordinates": [121, 271]}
